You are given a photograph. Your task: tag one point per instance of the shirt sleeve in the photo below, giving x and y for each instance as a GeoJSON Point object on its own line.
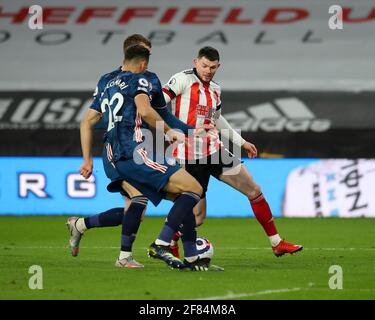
{"type": "Point", "coordinates": [96, 102]}
{"type": "Point", "coordinates": [139, 85]}
{"type": "Point", "coordinates": [95, 105]}
{"type": "Point", "coordinates": [157, 97]}
{"type": "Point", "coordinates": [174, 87]}
{"type": "Point", "coordinates": [229, 132]}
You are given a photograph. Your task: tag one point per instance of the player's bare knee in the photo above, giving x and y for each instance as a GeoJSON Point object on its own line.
{"type": "Point", "coordinates": [254, 191]}
{"type": "Point", "coordinates": [188, 186]}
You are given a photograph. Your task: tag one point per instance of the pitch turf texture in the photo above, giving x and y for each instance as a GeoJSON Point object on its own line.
{"type": "Point", "coordinates": [251, 270]}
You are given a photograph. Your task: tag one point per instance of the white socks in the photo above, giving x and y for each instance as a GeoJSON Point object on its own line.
{"type": "Point", "coordinates": [161, 243]}
{"type": "Point", "coordinates": [124, 255]}
{"type": "Point", "coordinates": [191, 259]}
{"type": "Point", "coordinates": [275, 240]}
{"type": "Point", "coordinates": [80, 225]}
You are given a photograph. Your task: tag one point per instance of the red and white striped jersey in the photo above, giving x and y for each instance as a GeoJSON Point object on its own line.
{"type": "Point", "coordinates": [196, 103]}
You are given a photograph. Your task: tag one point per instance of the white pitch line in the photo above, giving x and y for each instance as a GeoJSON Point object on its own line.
{"type": "Point", "coordinates": [218, 248]}
{"type": "Point", "coordinates": [304, 248]}
{"type": "Point", "coordinates": [53, 247]}
{"type": "Point", "coordinates": [232, 295]}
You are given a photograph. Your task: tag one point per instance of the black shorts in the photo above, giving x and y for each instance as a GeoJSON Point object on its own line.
{"type": "Point", "coordinates": [214, 165]}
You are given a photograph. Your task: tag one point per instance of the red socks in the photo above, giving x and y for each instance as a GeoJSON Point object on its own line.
{"type": "Point", "coordinates": [176, 237]}
{"type": "Point", "coordinates": [263, 214]}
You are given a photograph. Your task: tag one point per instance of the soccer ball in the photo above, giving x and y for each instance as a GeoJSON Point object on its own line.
{"type": "Point", "coordinates": [205, 248]}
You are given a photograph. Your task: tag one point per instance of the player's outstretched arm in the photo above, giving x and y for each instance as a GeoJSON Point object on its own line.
{"type": "Point", "coordinates": [149, 114]}
{"type": "Point", "coordinates": [235, 137]}
{"type": "Point", "coordinates": [86, 132]}
{"type": "Point", "coordinates": [172, 121]}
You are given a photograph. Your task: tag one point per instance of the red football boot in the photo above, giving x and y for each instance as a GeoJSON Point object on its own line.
{"type": "Point", "coordinates": [285, 247]}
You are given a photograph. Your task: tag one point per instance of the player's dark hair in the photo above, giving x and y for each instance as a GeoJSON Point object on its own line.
{"type": "Point", "coordinates": [136, 53]}
{"type": "Point", "coordinates": [135, 39]}
{"type": "Point", "coordinates": [210, 53]}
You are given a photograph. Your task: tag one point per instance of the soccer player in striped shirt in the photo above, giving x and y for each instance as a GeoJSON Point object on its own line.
{"type": "Point", "coordinates": [195, 100]}
{"type": "Point", "coordinates": [126, 102]}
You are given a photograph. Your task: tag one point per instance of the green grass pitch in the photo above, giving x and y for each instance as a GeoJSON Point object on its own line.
{"type": "Point", "coordinates": [251, 270]}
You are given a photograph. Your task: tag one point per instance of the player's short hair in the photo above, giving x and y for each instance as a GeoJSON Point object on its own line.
{"type": "Point", "coordinates": [135, 39]}
{"type": "Point", "coordinates": [136, 53]}
{"type": "Point", "coordinates": [210, 53]}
